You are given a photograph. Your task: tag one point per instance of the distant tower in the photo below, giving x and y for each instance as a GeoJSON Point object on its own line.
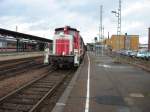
{"type": "Point", "coordinates": [101, 27]}
{"type": "Point", "coordinates": [149, 39]}
{"type": "Point", "coordinates": [101, 23]}
{"type": "Point", "coordinates": [119, 19]}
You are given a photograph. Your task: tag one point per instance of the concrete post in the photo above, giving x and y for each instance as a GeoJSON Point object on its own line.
{"type": "Point", "coordinates": [46, 56]}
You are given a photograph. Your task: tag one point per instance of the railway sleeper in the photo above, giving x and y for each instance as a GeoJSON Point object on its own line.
{"type": "Point", "coordinates": [16, 107]}
{"type": "Point", "coordinates": [46, 81]}
{"type": "Point", "coordinates": [43, 83]}
{"type": "Point", "coordinates": [53, 80]}
{"type": "Point", "coordinates": [24, 96]}
{"type": "Point", "coordinates": [25, 101]}
{"type": "Point", "coordinates": [32, 93]}
{"type": "Point", "coordinates": [9, 110]}
{"type": "Point", "coordinates": [42, 86]}
{"type": "Point", "coordinates": [39, 89]}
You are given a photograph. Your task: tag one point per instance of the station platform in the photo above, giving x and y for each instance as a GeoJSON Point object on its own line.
{"type": "Point", "coordinates": [19, 55]}
{"type": "Point", "coordinates": [100, 85]}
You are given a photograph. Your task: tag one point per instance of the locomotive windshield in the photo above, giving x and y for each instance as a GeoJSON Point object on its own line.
{"type": "Point", "coordinates": [59, 32]}
{"type": "Point", "coordinates": [70, 32]}
{"type": "Point", "coordinates": [66, 30]}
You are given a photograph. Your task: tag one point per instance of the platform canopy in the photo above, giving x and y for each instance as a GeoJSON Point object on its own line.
{"type": "Point", "coordinates": [19, 35]}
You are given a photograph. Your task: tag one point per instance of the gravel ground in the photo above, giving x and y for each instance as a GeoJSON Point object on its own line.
{"type": "Point", "coordinates": [9, 84]}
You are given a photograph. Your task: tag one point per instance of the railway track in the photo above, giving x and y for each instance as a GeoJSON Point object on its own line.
{"type": "Point", "coordinates": [10, 63]}
{"type": "Point", "coordinates": [18, 67]}
{"type": "Point", "coordinates": [15, 61]}
{"type": "Point", "coordinates": [29, 97]}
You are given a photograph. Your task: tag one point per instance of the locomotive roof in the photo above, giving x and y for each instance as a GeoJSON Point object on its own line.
{"type": "Point", "coordinates": [62, 28]}
{"type": "Point", "coordinates": [22, 35]}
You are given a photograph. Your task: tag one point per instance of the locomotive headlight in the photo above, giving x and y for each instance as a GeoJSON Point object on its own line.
{"type": "Point", "coordinates": [75, 51]}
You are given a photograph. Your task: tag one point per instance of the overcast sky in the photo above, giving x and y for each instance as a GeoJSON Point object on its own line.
{"type": "Point", "coordinates": [41, 17]}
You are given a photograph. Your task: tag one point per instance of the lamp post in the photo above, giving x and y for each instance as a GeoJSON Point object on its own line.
{"type": "Point", "coordinates": [118, 15]}
{"type": "Point", "coordinates": [117, 42]}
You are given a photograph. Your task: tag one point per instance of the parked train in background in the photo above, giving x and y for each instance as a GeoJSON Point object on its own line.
{"type": "Point", "coordinates": [10, 44]}
{"type": "Point", "coordinates": [7, 44]}
{"type": "Point", "coordinates": [68, 47]}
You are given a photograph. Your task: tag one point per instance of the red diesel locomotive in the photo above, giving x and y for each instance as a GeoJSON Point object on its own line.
{"type": "Point", "coordinates": [68, 47]}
